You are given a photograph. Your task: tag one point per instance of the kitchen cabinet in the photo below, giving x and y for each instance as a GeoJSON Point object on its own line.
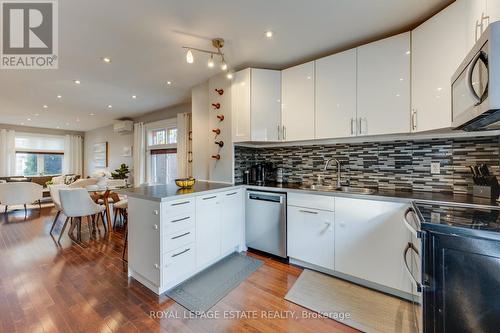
{"type": "Point", "coordinates": [384, 86]}
{"type": "Point", "coordinates": [208, 229]}
{"type": "Point", "coordinates": [310, 236]}
{"type": "Point", "coordinates": [438, 48]}
{"type": "Point", "coordinates": [232, 221]}
{"type": "Point", "coordinates": [144, 240]}
{"type": "Point", "coordinates": [298, 102]}
{"type": "Point", "coordinates": [370, 239]}
{"type": "Point", "coordinates": [335, 95]}
{"type": "Point", "coordinates": [256, 105]}
{"type": "Point", "coordinates": [493, 10]}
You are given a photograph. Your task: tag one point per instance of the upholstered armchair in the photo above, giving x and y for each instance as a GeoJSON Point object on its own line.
{"type": "Point", "coordinates": [83, 183]}
{"type": "Point", "coordinates": [20, 193]}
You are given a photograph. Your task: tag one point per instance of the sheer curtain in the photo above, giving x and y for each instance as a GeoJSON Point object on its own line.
{"type": "Point", "coordinates": [73, 151]}
{"type": "Point", "coordinates": [184, 162]}
{"type": "Point", "coordinates": [139, 154]}
{"type": "Point", "coordinates": [7, 153]}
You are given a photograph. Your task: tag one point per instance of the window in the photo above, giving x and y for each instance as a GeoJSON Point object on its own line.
{"type": "Point", "coordinates": [38, 154]}
{"type": "Point", "coordinates": [162, 151]}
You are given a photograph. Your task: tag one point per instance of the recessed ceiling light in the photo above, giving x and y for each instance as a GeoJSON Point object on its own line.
{"type": "Point", "coordinates": [77, 81]}
{"type": "Point", "coordinates": [134, 96]}
{"type": "Point", "coordinates": [29, 119]}
{"type": "Point", "coordinates": [269, 34]}
{"type": "Point", "coordinates": [59, 96]}
{"type": "Point", "coordinates": [45, 106]}
{"type": "Point", "coordinates": [37, 114]}
{"type": "Point", "coordinates": [106, 59]}
{"type": "Point", "coordinates": [22, 123]}
{"type": "Point", "coordinates": [169, 82]}
{"type": "Point", "coordinates": [110, 106]}
{"type": "Point", "coordinates": [91, 114]}
{"type": "Point", "coordinates": [439, 89]}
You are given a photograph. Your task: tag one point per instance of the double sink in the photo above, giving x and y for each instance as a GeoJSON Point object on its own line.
{"type": "Point", "coordinates": [330, 188]}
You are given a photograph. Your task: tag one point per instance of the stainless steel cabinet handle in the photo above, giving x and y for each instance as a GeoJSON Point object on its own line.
{"type": "Point", "coordinates": [284, 132]}
{"type": "Point", "coordinates": [409, 247]}
{"type": "Point", "coordinates": [407, 224]}
{"type": "Point", "coordinates": [307, 211]}
{"type": "Point", "coordinates": [359, 126]}
{"type": "Point", "coordinates": [279, 132]}
{"type": "Point", "coordinates": [180, 220]}
{"type": "Point", "coordinates": [180, 236]}
{"type": "Point", "coordinates": [352, 126]}
{"type": "Point", "coordinates": [209, 198]}
{"type": "Point", "coordinates": [414, 120]}
{"type": "Point", "coordinates": [155, 226]}
{"type": "Point", "coordinates": [156, 266]}
{"type": "Point", "coordinates": [229, 194]}
{"type": "Point", "coordinates": [180, 203]}
{"type": "Point", "coordinates": [155, 212]}
{"type": "Point", "coordinates": [178, 254]}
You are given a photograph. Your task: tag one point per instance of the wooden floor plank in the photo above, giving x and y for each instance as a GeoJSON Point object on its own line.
{"type": "Point", "coordinates": [46, 287]}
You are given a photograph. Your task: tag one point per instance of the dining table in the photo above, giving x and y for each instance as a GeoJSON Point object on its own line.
{"type": "Point", "coordinates": [106, 195]}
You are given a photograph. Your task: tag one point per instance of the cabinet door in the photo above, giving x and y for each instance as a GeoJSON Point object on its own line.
{"type": "Point", "coordinates": [298, 102]}
{"type": "Point", "coordinates": [336, 95]}
{"type": "Point", "coordinates": [438, 48]}
{"type": "Point", "coordinates": [384, 86]}
{"type": "Point", "coordinates": [493, 10]}
{"type": "Point", "coordinates": [208, 229]}
{"type": "Point", "coordinates": [265, 105]}
{"type": "Point", "coordinates": [370, 239]}
{"type": "Point", "coordinates": [475, 10]}
{"type": "Point", "coordinates": [240, 101]}
{"type": "Point", "coordinates": [233, 220]}
{"type": "Point", "coordinates": [310, 236]}
{"type": "Point", "coordinates": [144, 239]}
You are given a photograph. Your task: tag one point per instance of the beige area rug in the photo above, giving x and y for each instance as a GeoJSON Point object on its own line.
{"type": "Point", "coordinates": [368, 310]}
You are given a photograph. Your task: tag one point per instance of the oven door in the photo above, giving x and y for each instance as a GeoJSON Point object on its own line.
{"type": "Point", "coordinates": [412, 262]}
{"type": "Point", "coordinates": [470, 90]}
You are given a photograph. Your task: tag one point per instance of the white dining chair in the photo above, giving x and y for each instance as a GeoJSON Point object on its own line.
{"type": "Point", "coordinates": [54, 194]}
{"type": "Point", "coordinates": [76, 203]}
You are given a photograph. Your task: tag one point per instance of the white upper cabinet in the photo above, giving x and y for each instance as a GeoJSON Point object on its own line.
{"type": "Point", "coordinates": [438, 47]}
{"type": "Point", "coordinates": [240, 102]}
{"type": "Point", "coordinates": [335, 97]}
{"type": "Point", "coordinates": [493, 10]}
{"type": "Point", "coordinates": [265, 105]}
{"type": "Point", "coordinates": [256, 105]}
{"type": "Point", "coordinates": [298, 102]}
{"type": "Point", "coordinates": [384, 86]}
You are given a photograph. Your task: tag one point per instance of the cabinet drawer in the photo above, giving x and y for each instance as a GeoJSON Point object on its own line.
{"type": "Point", "coordinates": [311, 201]}
{"type": "Point", "coordinates": [178, 239]}
{"type": "Point", "coordinates": [179, 263]}
{"type": "Point", "coordinates": [176, 223]}
{"type": "Point", "coordinates": [178, 207]}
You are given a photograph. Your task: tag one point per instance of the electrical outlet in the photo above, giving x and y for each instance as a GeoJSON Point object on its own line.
{"type": "Point", "coordinates": [435, 168]}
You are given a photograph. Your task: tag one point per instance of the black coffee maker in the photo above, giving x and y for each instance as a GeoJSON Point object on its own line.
{"type": "Point", "coordinates": [259, 173]}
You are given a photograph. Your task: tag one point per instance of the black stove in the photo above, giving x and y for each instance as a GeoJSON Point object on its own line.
{"type": "Point", "coordinates": [470, 217]}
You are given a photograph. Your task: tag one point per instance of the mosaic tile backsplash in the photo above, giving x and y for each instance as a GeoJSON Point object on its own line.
{"type": "Point", "coordinates": [397, 165]}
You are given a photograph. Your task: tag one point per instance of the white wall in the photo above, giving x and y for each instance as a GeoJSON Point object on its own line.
{"type": "Point", "coordinates": [116, 142]}
{"type": "Point", "coordinates": [199, 100]}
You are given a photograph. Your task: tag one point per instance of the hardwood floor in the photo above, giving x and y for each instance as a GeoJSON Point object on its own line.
{"type": "Point", "coordinates": [84, 288]}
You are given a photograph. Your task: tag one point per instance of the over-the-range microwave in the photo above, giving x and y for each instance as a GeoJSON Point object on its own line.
{"type": "Point", "coordinates": [475, 86]}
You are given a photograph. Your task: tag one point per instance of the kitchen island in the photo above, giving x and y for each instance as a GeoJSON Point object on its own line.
{"type": "Point", "coordinates": [175, 233]}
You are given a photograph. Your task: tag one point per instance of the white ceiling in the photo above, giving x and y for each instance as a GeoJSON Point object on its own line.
{"type": "Point", "coordinates": [144, 40]}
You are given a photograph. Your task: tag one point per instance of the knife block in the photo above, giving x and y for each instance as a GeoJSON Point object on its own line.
{"type": "Point", "coordinates": [490, 191]}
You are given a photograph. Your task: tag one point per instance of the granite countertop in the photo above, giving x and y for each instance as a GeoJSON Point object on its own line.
{"type": "Point", "coordinates": [392, 195]}
{"type": "Point", "coordinates": [170, 191]}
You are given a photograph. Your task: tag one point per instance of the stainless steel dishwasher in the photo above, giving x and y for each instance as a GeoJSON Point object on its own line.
{"type": "Point", "coordinates": [266, 222]}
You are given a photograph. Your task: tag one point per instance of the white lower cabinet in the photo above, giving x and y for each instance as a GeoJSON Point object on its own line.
{"type": "Point", "coordinates": [208, 229]}
{"type": "Point", "coordinates": [310, 236]}
{"type": "Point", "coordinates": [173, 240]}
{"type": "Point", "coordinates": [232, 221]}
{"type": "Point", "coordinates": [370, 239]}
